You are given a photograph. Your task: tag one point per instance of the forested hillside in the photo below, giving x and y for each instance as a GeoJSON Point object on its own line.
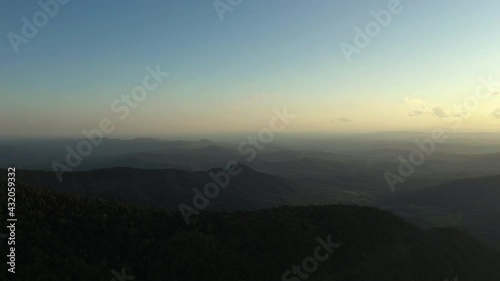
{"type": "Point", "coordinates": [66, 237]}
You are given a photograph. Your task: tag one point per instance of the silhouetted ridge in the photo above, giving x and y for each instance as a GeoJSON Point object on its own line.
{"type": "Point", "coordinates": [87, 238]}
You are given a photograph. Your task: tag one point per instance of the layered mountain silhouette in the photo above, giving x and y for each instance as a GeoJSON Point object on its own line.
{"type": "Point", "coordinates": [167, 188]}
{"type": "Point", "coordinates": [120, 210]}
{"type": "Point", "coordinates": [481, 194]}
{"type": "Point", "coordinates": [472, 204]}
{"type": "Point", "coordinates": [68, 237]}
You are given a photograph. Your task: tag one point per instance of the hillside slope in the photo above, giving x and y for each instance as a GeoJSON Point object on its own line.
{"type": "Point", "coordinates": [472, 204]}
{"type": "Point", "coordinates": [66, 237]}
{"type": "Point", "coordinates": [464, 194]}
{"type": "Point", "coordinates": [170, 187]}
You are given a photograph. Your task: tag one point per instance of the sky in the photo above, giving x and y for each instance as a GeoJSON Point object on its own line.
{"type": "Point", "coordinates": [231, 66]}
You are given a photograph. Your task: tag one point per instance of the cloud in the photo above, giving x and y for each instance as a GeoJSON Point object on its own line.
{"type": "Point", "coordinates": [420, 108]}
{"type": "Point", "coordinates": [417, 106]}
{"type": "Point", "coordinates": [496, 114]}
{"type": "Point", "coordinates": [440, 112]}
{"type": "Point", "coordinates": [345, 119]}
{"type": "Point", "coordinates": [409, 100]}
{"type": "Point", "coordinates": [416, 113]}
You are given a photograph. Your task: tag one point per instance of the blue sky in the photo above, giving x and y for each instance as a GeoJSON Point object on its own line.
{"type": "Point", "coordinates": [227, 76]}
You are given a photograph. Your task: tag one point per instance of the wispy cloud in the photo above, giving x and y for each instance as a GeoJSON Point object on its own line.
{"type": "Point", "coordinates": [409, 100]}
{"type": "Point", "coordinates": [419, 107]}
{"type": "Point", "coordinates": [345, 119]}
{"type": "Point", "coordinates": [415, 113]}
{"type": "Point", "coordinates": [441, 112]}
{"type": "Point", "coordinates": [496, 114]}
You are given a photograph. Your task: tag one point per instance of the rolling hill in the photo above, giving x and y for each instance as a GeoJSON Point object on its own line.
{"type": "Point", "coordinates": [471, 204]}
{"type": "Point", "coordinates": [67, 237]}
{"type": "Point", "coordinates": [168, 188]}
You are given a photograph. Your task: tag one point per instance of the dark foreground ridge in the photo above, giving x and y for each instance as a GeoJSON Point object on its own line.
{"type": "Point", "coordinates": [67, 237]}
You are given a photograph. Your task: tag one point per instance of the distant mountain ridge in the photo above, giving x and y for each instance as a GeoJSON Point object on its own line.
{"type": "Point", "coordinates": [464, 194]}
{"type": "Point", "coordinates": [167, 188]}
{"type": "Point", "coordinates": [472, 204]}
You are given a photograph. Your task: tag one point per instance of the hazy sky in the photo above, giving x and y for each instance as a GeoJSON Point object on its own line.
{"type": "Point", "coordinates": [228, 75]}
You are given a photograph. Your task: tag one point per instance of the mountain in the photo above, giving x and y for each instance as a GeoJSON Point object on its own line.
{"type": "Point", "coordinates": [472, 204]}
{"type": "Point", "coordinates": [353, 169]}
{"type": "Point", "coordinates": [170, 187]}
{"type": "Point", "coordinates": [40, 154]}
{"type": "Point", "coordinates": [481, 194]}
{"type": "Point", "coordinates": [67, 237]}
{"type": "Point", "coordinates": [214, 149]}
